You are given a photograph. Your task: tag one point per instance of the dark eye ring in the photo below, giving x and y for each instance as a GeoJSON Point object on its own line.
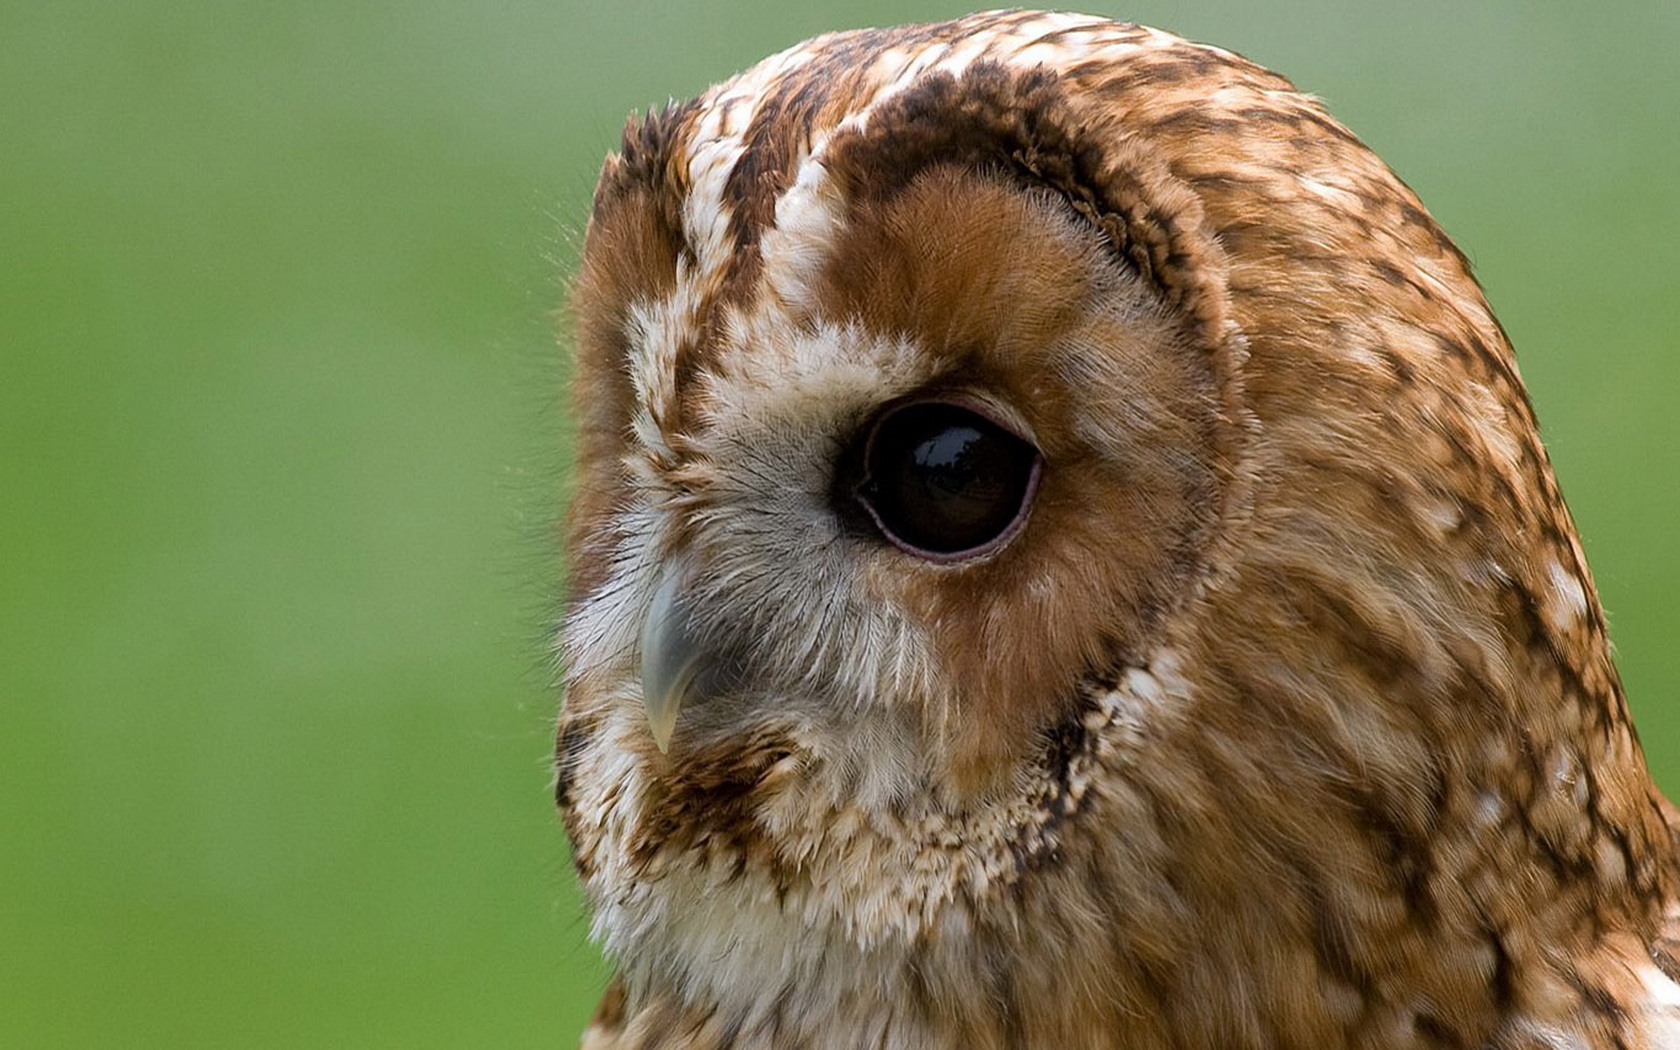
{"type": "Point", "coordinates": [945, 481]}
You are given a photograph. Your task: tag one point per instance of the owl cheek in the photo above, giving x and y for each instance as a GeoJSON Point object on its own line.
{"type": "Point", "coordinates": [1002, 683]}
{"type": "Point", "coordinates": [1005, 719]}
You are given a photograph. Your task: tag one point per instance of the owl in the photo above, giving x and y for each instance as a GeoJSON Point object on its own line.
{"type": "Point", "coordinates": [1062, 557]}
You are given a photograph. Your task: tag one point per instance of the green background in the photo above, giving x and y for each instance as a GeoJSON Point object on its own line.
{"type": "Point", "coordinates": [280, 455]}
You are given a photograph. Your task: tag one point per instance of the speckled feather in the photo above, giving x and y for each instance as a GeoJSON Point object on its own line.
{"type": "Point", "coordinates": [1290, 718]}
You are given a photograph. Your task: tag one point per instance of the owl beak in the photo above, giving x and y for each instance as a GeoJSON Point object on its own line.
{"type": "Point", "coordinates": [672, 658]}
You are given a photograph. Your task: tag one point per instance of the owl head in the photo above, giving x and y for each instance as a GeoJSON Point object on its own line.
{"type": "Point", "coordinates": [1046, 491]}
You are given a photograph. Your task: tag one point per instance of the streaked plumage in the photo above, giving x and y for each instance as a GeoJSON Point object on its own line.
{"type": "Point", "coordinates": [1286, 719]}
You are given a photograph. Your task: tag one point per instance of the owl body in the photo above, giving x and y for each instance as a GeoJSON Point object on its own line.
{"type": "Point", "coordinates": [1062, 557]}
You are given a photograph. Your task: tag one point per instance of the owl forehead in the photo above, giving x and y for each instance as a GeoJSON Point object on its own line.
{"type": "Point", "coordinates": [750, 197]}
{"type": "Point", "coordinates": [753, 139]}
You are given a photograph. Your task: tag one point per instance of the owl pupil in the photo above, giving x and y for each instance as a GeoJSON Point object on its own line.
{"type": "Point", "coordinates": [944, 482]}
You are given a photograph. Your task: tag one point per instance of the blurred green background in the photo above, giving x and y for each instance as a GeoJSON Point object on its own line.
{"type": "Point", "coordinates": [280, 453]}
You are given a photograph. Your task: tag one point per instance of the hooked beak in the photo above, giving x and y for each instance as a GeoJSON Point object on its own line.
{"type": "Point", "coordinates": [672, 657]}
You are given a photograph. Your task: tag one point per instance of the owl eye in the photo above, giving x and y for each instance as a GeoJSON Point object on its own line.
{"type": "Point", "coordinates": [944, 482]}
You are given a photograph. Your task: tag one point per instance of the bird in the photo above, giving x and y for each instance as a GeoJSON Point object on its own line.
{"type": "Point", "coordinates": [1061, 555]}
